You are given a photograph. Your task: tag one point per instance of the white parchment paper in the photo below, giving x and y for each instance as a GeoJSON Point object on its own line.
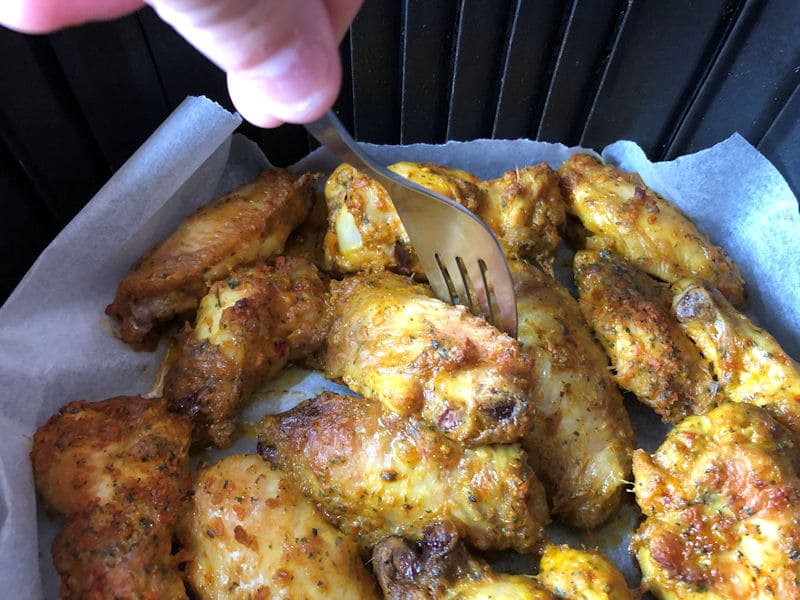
{"type": "Point", "coordinates": [56, 345]}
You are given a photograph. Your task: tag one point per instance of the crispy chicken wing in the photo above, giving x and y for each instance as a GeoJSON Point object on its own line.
{"type": "Point", "coordinates": [749, 364]}
{"type": "Point", "coordinates": [251, 534]}
{"type": "Point", "coordinates": [633, 221]}
{"type": "Point", "coordinates": [440, 567]}
{"type": "Point", "coordinates": [250, 223]}
{"type": "Point", "coordinates": [524, 207]}
{"type": "Point", "coordinates": [581, 440]}
{"type": "Point", "coordinates": [722, 501]}
{"type": "Point", "coordinates": [374, 473]}
{"type": "Point", "coordinates": [393, 341]}
{"type": "Point", "coordinates": [581, 575]}
{"type": "Point", "coordinates": [119, 471]}
{"type": "Point", "coordinates": [652, 356]}
{"type": "Point", "coordinates": [364, 232]}
{"type": "Point", "coordinates": [248, 327]}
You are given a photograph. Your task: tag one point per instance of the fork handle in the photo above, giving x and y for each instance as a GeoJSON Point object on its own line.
{"type": "Point", "coordinates": [329, 131]}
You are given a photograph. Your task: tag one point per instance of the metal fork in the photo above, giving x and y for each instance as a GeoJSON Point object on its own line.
{"type": "Point", "coordinates": [461, 256]}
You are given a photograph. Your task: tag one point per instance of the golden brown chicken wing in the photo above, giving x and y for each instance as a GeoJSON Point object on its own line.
{"type": "Point", "coordinates": [248, 327]}
{"type": "Point", "coordinates": [393, 341]}
{"type": "Point", "coordinates": [722, 501]}
{"type": "Point", "coordinates": [582, 575]}
{"type": "Point", "coordinates": [524, 207]}
{"type": "Point", "coordinates": [749, 364]}
{"type": "Point", "coordinates": [581, 440]}
{"type": "Point", "coordinates": [250, 533]}
{"type": "Point", "coordinates": [250, 223]}
{"type": "Point", "coordinates": [440, 567]}
{"type": "Point", "coordinates": [636, 223]}
{"type": "Point", "coordinates": [374, 473]}
{"type": "Point", "coordinates": [364, 232]}
{"type": "Point", "coordinates": [119, 471]}
{"type": "Point", "coordinates": [631, 314]}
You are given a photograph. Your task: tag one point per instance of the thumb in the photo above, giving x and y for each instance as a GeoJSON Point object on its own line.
{"type": "Point", "coordinates": [281, 56]}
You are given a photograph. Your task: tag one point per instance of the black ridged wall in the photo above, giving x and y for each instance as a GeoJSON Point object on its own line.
{"type": "Point", "coordinates": [674, 76]}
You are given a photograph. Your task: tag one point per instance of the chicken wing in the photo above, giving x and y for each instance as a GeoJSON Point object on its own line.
{"type": "Point", "coordinates": [251, 534]}
{"type": "Point", "coordinates": [248, 327]}
{"type": "Point", "coordinates": [631, 314]}
{"type": "Point", "coordinates": [581, 440]}
{"type": "Point", "coordinates": [250, 223]}
{"type": "Point", "coordinates": [374, 473]}
{"type": "Point", "coordinates": [749, 364]}
{"type": "Point", "coordinates": [636, 223]}
{"type": "Point", "coordinates": [364, 232]}
{"type": "Point", "coordinates": [722, 501]}
{"type": "Point", "coordinates": [440, 568]}
{"type": "Point", "coordinates": [119, 471]}
{"type": "Point", "coordinates": [581, 575]}
{"type": "Point", "coordinates": [393, 341]}
{"type": "Point", "coordinates": [524, 207]}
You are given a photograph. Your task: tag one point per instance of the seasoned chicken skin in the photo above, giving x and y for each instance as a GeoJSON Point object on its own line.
{"type": "Point", "coordinates": [119, 471]}
{"type": "Point", "coordinates": [581, 575]}
{"type": "Point", "coordinates": [440, 567]}
{"type": "Point", "coordinates": [636, 223]}
{"type": "Point", "coordinates": [251, 534]}
{"type": "Point", "coordinates": [749, 364]}
{"type": "Point", "coordinates": [581, 440]}
{"type": "Point", "coordinates": [722, 501]}
{"type": "Point", "coordinates": [249, 223]}
{"type": "Point", "coordinates": [364, 232]}
{"type": "Point", "coordinates": [249, 326]}
{"type": "Point", "coordinates": [524, 207]}
{"type": "Point", "coordinates": [393, 341]}
{"type": "Point", "coordinates": [631, 314]}
{"type": "Point", "coordinates": [374, 473]}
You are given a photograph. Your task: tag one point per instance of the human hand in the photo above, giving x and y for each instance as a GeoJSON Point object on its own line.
{"type": "Point", "coordinates": [281, 56]}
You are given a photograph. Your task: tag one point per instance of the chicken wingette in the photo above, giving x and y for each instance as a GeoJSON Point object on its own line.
{"type": "Point", "coordinates": [582, 575]}
{"type": "Point", "coordinates": [440, 568]}
{"type": "Point", "coordinates": [251, 222]}
{"type": "Point", "coordinates": [631, 315]}
{"type": "Point", "coordinates": [721, 497]}
{"type": "Point", "coordinates": [119, 471]}
{"type": "Point", "coordinates": [749, 363]}
{"type": "Point", "coordinates": [250, 533]}
{"type": "Point", "coordinates": [374, 473]}
{"type": "Point", "coordinates": [636, 223]}
{"type": "Point", "coordinates": [248, 327]}
{"type": "Point", "coordinates": [393, 341]}
{"type": "Point", "coordinates": [364, 232]}
{"type": "Point", "coordinates": [523, 207]}
{"type": "Point", "coordinates": [581, 440]}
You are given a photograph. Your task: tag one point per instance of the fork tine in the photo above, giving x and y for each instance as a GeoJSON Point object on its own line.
{"type": "Point", "coordinates": [433, 223]}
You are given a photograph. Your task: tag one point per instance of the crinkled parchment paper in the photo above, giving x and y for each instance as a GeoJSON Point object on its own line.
{"type": "Point", "coordinates": [56, 344]}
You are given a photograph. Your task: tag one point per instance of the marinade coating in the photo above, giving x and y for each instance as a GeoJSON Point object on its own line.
{"type": "Point", "coordinates": [393, 341]}
{"type": "Point", "coordinates": [748, 362]}
{"type": "Point", "coordinates": [249, 223]}
{"type": "Point", "coordinates": [523, 207]}
{"type": "Point", "coordinates": [582, 575]}
{"type": "Point", "coordinates": [118, 470]}
{"type": "Point", "coordinates": [248, 327]}
{"type": "Point", "coordinates": [652, 357]}
{"type": "Point", "coordinates": [374, 473]}
{"type": "Point", "coordinates": [636, 223]}
{"type": "Point", "coordinates": [440, 567]}
{"type": "Point", "coordinates": [581, 439]}
{"type": "Point", "coordinates": [250, 533]}
{"type": "Point", "coordinates": [721, 497]}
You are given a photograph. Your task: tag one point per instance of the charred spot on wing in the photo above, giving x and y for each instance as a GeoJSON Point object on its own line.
{"type": "Point", "coordinates": [267, 451]}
